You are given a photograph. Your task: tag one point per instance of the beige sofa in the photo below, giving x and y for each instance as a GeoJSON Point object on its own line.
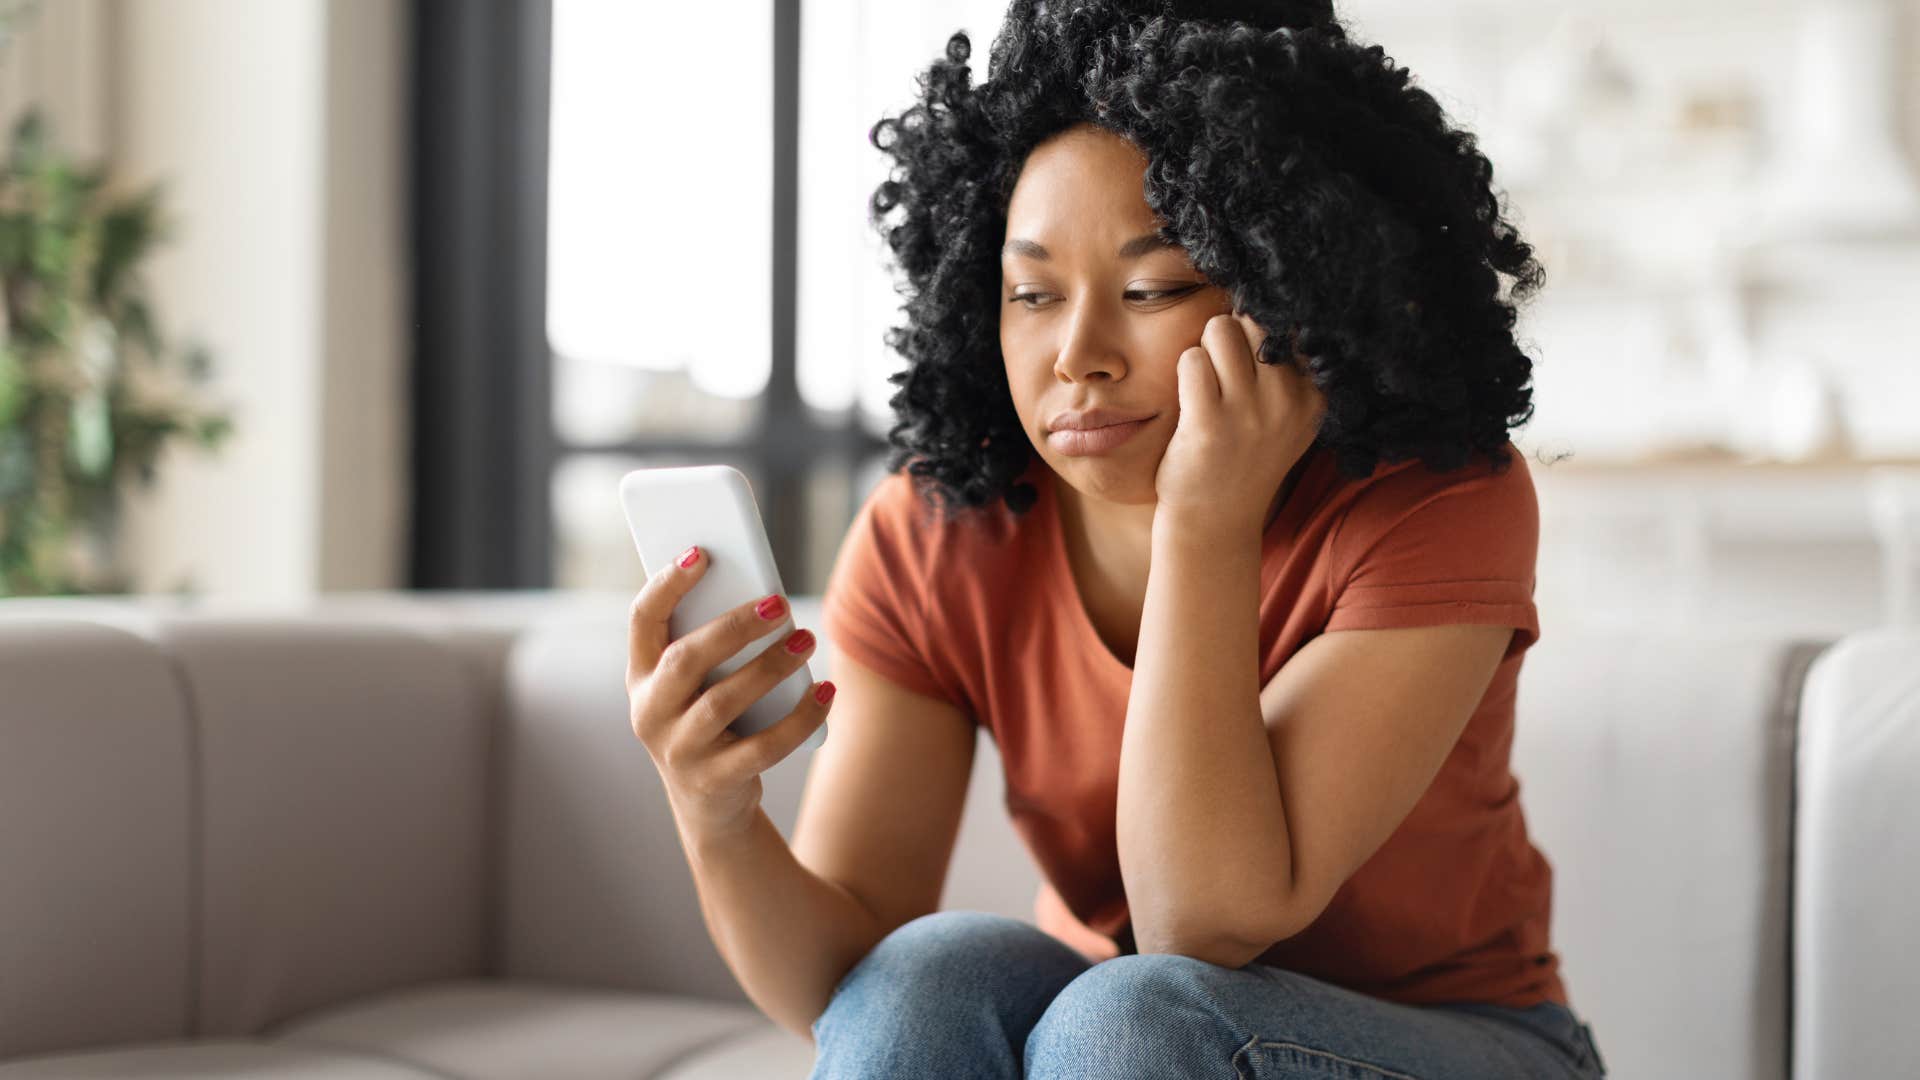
{"type": "Point", "coordinates": [398, 835]}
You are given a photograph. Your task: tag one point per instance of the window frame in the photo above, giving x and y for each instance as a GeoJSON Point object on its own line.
{"type": "Point", "coordinates": [485, 446]}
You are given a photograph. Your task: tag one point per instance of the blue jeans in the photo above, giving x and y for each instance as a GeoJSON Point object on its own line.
{"type": "Point", "coordinates": [960, 994]}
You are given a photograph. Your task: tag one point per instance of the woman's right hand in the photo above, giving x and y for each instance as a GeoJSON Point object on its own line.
{"type": "Point", "coordinates": [712, 775]}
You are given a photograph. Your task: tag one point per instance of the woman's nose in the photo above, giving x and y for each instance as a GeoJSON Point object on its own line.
{"type": "Point", "coordinates": [1087, 351]}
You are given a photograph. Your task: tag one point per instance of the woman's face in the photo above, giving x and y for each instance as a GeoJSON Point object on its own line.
{"type": "Point", "coordinates": [1094, 310]}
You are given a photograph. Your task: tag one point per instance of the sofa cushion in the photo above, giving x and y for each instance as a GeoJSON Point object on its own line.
{"type": "Point", "coordinates": [1857, 860]}
{"type": "Point", "coordinates": [239, 1057]}
{"type": "Point", "coordinates": [95, 816]}
{"type": "Point", "coordinates": [510, 1030]}
{"type": "Point", "coordinates": [1655, 773]}
{"type": "Point", "coordinates": [597, 887]}
{"type": "Point", "coordinates": [342, 787]}
{"type": "Point", "coordinates": [764, 1053]}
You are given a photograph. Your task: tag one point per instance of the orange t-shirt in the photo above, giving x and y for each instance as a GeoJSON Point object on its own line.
{"type": "Point", "coordinates": [983, 612]}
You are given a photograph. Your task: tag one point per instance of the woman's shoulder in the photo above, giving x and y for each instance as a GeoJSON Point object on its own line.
{"type": "Point", "coordinates": [1398, 489]}
{"type": "Point", "coordinates": [912, 508]}
{"type": "Point", "coordinates": [1408, 505]}
{"type": "Point", "coordinates": [904, 523]}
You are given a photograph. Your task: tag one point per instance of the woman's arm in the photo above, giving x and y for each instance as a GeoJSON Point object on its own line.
{"type": "Point", "coordinates": [1200, 825]}
{"type": "Point", "coordinates": [1243, 809]}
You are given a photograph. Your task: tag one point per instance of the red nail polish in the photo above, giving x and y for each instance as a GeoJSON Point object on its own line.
{"type": "Point", "coordinates": [798, 641]}
{"type": "Point", "coordinates": [824, 694]}
{"type": "Point", "coordinates": [769, 608]}
{"type": "Point", "coordinates": [688, 557]}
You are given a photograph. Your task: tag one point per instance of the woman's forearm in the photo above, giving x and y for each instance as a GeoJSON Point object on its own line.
{"type": "Point", "coordinates": [1201, 832]}
{"type": "Point", "coordinates": [788, 935]}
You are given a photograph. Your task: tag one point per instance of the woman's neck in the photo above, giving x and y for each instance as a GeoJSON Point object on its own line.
{"type": "Point", "coordinates": [1110, 544]}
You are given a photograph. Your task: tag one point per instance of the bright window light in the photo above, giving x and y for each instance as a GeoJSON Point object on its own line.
{"type": "Point", "coordinates": [858, 59]}
{"type": "Point", "coordinates": [660, 189]}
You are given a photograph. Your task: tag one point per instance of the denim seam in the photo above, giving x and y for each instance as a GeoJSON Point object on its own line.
{"type": "Point", "coordinates": [1206, 993]}
{"type": "Point", "coordinates": [1254, 1044]}
{"type": "Point", "coordinates": [1591, 1054]}
{"type": "Point", "coordinates": [1575, 1048]}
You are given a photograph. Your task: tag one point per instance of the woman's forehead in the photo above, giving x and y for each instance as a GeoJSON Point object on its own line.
{"type": "Point", "coordinates": [1082, 184]}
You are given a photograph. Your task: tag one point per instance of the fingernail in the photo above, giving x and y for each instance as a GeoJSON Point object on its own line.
{"type": "Point", "coordinates": [689, 556]}
{"type": "Point", "coordinates": [770, 608]}
{"type": "Point", "coordinates": [824, 694]}
{"type": "Point", "coordinates": [799, 641]}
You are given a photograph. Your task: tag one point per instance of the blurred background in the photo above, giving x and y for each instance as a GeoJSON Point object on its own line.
{"type": "Point", "coordinates": [310, 297]}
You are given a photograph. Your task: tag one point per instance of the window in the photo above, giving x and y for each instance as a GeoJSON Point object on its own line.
{"type": "Point", "coordinates": [659, 220]}
{"type": "Point", "coordinates": [715, 293]}
{"type": "Point", "coordinates": [858, 61]}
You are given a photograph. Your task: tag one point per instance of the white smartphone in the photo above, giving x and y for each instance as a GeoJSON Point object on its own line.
{"type": "Point", "coordinates": [669, 510]}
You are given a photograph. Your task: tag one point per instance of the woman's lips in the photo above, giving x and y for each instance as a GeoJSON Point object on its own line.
{"type": "Point", "coordinates": [1095, 440]}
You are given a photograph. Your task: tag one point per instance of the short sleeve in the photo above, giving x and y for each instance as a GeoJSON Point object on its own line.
{"type": "Point", "coordinates": [1420, 548]}
{"type": "Point", "coordinates": [876, 601]}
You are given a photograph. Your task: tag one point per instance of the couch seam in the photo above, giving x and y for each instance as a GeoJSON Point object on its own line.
{"type": "Point", "coordinates": [492, 687]}
{"type": "Point", "coordinates": [161, 638]}
{"type": "Point", "coordinates": [753, 1028]}
{"type": "Point", "coordinates": [366, 1052]}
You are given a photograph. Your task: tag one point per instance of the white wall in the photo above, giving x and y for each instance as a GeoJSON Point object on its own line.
{"type": "Point", "coordinates": [54, 58]}
{"type": "Point", "coordinates": [365, 318]}
{"type": "Point", "coordinates": [277, 127]}
{"type": "Point", "coordinates": [223, 99]}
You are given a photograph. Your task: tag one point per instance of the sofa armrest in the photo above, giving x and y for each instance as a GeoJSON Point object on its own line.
{"type": "Point", "coordinates": [1857, 859]}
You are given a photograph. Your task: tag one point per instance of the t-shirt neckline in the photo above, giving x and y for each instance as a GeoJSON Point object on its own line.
{"type": "Point", "coordinates": [1060, 572]}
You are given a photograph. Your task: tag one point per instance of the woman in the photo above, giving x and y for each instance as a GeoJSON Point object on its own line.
{"type": "Point", "coordinates": [1210, 381]}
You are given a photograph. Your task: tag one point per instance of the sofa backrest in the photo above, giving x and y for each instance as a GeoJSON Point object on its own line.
{"type": "Point", "coordinates": [96, 922]}
{"type": "Point", "coordinates": [596, 883]}
{"type": "Point", "coordinates": [1655, 773]}
{"type": "Point", "coordinates": [210, 823]}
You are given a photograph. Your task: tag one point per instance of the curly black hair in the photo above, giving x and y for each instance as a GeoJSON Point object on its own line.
{"type": "Point", "coordinates": [1300, 169]}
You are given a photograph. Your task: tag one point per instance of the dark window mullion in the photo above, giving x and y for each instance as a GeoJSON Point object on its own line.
{"type": "Point", "coordinates": [788, 422]}
{"type": "Point", "coordinates": [483, 440]}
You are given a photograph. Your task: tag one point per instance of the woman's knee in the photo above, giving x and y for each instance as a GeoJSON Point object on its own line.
{"type": "Point", "coordinates": [951, 952]}
{"type": "Point", "coordinates": [1143, 1000]}
{"type": "Point", "coordinates": [941, 962]}
{"type": "Point", "coordinates": [943, 946]}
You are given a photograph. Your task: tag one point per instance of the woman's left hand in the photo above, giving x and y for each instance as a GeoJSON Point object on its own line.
{"type": "Point", "coordinates": [1242, 427]}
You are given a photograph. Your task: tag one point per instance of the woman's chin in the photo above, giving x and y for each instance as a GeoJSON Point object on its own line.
{"type": "Point", "coordinates": [1109, 477]}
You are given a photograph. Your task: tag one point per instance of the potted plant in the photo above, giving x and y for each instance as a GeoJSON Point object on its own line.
{"type": "Point", "coordinates": [90, 392]}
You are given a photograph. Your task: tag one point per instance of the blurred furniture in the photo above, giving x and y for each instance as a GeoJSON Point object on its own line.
{"type": "Point", "coordinates": [395, 835]}
{"type": "Point", "coordinates": [1893, 497]}
{"type": "Point", "coordinates": [1819, 547]}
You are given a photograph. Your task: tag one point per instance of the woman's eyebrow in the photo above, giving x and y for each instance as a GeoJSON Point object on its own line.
{"type": "Point", "coordinates": [1132, 249]}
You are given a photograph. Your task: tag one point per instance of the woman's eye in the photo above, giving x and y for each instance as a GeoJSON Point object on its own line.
{"type": "Point", "coordinates": [1027, 299]}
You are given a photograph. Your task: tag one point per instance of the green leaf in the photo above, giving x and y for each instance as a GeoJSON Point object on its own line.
{"type": "Point", "coordinates": [128, 231]}
{"type": "Point", "coordinates": [13, 387]}
{"type": "Point", "coordinates": [16, 239]}
{"type": "Point", "coordinates": [198, 362]}
{"type": "Point", "coordinates": [135, 320]}
{"type": "Point", "coordinates": [16, 464]}
{"type": "Point", "coordinates": [90, 437]}
{"type": "Point", "coordinates": [214, 430]}
{"type": "Point", "coordinates": [29, 142]}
